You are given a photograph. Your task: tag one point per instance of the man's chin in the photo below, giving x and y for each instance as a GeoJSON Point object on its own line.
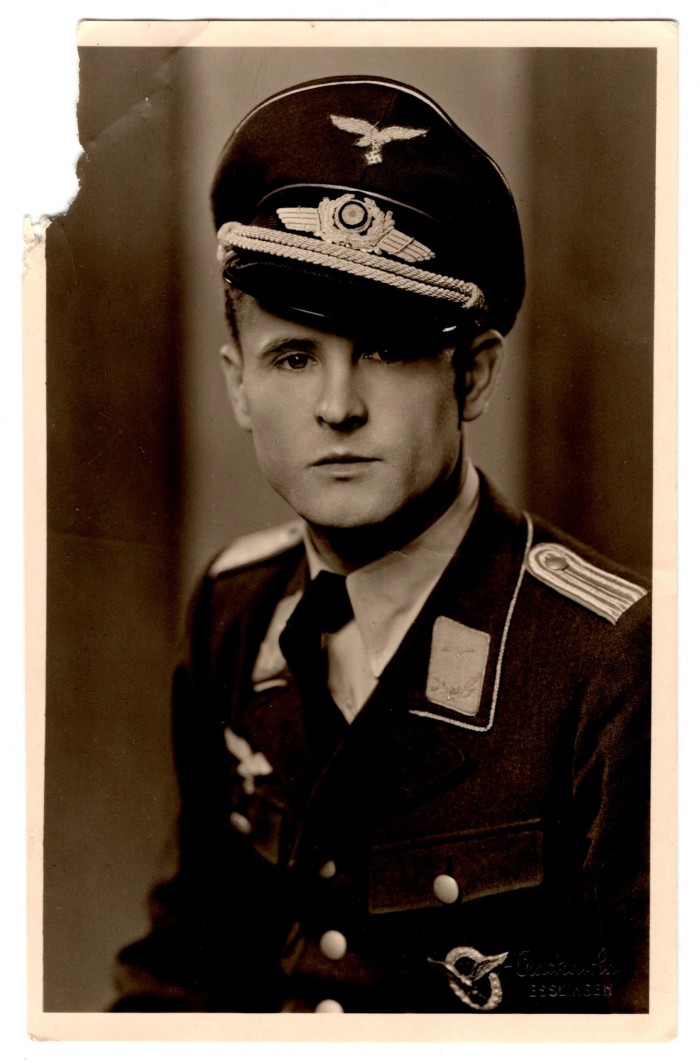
{"type": "Point", "coordinates": [343, 507]}
{"type": "Point", "coordinates": [344, 522]}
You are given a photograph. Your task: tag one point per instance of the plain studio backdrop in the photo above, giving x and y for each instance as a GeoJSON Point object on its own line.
{"type": "Point", "coordinates": [148, 476]}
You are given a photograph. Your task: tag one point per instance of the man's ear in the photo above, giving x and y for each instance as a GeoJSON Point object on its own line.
{"type": "Point", "coordinates": [480, 365]}
{"type": "Point", "coordinates": [232, 365]}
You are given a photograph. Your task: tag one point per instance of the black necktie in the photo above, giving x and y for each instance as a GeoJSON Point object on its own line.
{"type": "Point", "coordinates": [323, 608]}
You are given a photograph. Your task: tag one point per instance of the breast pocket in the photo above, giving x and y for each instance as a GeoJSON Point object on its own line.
{"type": "Point", "coordinates": [447, 870]}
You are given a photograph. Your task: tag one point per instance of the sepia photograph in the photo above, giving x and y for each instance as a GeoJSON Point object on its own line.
{"type": "Point", "coordinates": [350, 354]}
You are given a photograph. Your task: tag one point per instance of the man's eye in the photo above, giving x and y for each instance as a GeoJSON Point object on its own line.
{"type": "Point", "coordinates": [386, 355]}
{"type": "Point", "coordinates": [297, 360]}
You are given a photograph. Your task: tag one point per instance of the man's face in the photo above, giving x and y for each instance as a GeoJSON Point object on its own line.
{"type": "Point", "coordinates": [347, 434]}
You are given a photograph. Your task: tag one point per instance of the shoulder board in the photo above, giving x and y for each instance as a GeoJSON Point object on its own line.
{"type": "Point", "coordinates": [258, 546]}
{"type": "Point", "coordinates": [603, 593]}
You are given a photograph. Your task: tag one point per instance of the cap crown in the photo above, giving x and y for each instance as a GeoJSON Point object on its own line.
{"type": "Point", "coordinates": [371, 139]}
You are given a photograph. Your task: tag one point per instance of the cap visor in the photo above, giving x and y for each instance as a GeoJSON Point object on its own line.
{"type": "Point", "coordinates": [339, 303]}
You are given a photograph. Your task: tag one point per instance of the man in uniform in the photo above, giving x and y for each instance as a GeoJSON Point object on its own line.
{"type": "Point", "coordinates": [411, 728]}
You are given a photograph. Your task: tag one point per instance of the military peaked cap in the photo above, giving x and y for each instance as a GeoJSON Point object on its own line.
{"type": "Point", "coordinates": [355, 196]}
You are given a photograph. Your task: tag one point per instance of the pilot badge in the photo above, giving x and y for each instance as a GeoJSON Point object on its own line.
{"type": "Point", "coordinates": [473, 977]}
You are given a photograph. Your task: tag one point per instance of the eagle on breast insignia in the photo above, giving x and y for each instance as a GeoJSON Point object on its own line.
{"type": "Point", "coordinates": [373, 138]}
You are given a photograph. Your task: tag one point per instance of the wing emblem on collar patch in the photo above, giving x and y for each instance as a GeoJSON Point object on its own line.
{"type": "Point", "coordinates": [458, 656]}
{"type": "Point", "coordinates": [602, 592]}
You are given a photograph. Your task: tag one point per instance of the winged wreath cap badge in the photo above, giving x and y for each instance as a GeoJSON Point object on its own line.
{"type": "Point", "coordinates": [373, 138]}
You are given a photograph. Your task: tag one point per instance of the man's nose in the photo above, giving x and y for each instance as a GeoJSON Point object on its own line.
{"type": "Point", "coordinates": [341, 403]}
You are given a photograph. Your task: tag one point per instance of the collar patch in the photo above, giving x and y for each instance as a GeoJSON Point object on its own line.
{"type": "Point", "coordinates": [458, 656]}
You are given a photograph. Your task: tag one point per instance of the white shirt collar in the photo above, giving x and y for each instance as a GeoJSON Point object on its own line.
{"type": "Point", "coordinates": [388, 594]}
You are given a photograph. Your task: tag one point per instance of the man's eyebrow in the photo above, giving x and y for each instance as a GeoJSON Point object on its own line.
{"type": "Point", "coordinates": [287, 343]}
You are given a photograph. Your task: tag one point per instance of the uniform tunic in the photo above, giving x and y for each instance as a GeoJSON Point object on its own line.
{"type": "Point", "coordinates": [386, 597]}
{"type": "Point", "coordinates": [476, 842]}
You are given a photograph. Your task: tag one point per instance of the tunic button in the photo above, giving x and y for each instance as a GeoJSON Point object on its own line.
{"type": "Point", "coordinates": [329, 1006]}
{"type": "Point", "coordinates": [333, 945]}
{"type": "Point", "coordinates": [446, 889]}
{"type": "Point", "coordinates": [242, 825]}
{"type": "Point", "coordinates": [556, 563]}
{"type": "Point", "coordinates": [328, 870]}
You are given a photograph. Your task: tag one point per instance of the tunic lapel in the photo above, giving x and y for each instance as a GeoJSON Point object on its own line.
{"type": "Point", "coordinates": [398, 751]}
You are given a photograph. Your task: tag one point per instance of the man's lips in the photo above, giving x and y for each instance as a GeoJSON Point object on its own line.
{"type": "Point", "coordinates": [343, 459]}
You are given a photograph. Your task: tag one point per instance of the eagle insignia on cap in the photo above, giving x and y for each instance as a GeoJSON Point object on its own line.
{"type": "Point", "coordinates": [372, 138]}
{"type": "Point", "coordinates": [355, 222]}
